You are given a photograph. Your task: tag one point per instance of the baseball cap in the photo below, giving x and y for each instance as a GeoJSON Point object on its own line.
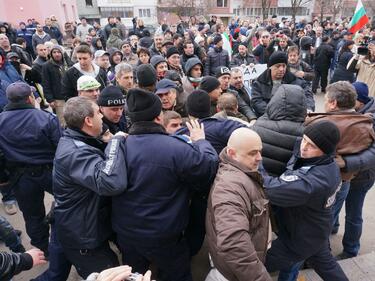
{"type": "Point", "coordinates": [100, 53]}
{"type": "Point", "coordinates": [12, 55]}
{"type": "Point", "coordinates": [222, 70]}
{"type": "Point", "coordinates": [87, 82]}
{"type": "Point", "coordinates": [17, 91]}
{"type": "Point", "coordinates": [164, 85]}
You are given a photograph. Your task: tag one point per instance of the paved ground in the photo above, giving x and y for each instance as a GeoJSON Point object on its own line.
{"type": "Point", "coordinates": [200, 263]}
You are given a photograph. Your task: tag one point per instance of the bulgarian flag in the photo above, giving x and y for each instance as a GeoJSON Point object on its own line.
{"type": "Point", "coordinates": [359, 19]}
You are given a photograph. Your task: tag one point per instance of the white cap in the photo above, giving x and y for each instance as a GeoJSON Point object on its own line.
{"type": "Point", "coordinates": [87, 82]}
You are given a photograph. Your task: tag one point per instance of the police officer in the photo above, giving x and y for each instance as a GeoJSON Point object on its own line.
{"type": "Point", "coordinates": [111, 102]}
{"type": "Point", "coordinates": [84, 175]}
{"type": "Point", "coordinates": [28, 139]}
{"type": "Point", "coordinates": [151, 215]}
{"type": "Point", "coordinates": [305, 194]}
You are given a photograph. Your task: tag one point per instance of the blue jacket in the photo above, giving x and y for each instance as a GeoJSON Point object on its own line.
{"type": "Point", "coordinates": [162, 170]}
{"type": "Point", "coordinates": [305, 193]}
{"type": "Point", "coordinates": [28, 135]}
{"type": "Point", "coordinates": [8, 75]}
{"type": "Point", "coordinates": [26, 34]}
{"type": "Point", "coordinates": [82, 176]}
{"type": "Point", "coordinates": [217, 131]}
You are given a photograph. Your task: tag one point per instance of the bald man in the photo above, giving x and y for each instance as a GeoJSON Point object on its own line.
{"type": "Point", "coordinates": [237, 221]}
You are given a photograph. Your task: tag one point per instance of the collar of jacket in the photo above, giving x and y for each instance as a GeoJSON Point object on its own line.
{"type": "Point", "coordinates": [315, 161]}
{"type": "Point", "coordinates": [77, 134]}
{"type": "Point", "coordinates": [265, 77]}
{"type": "Point", "coordinates": [16, 106]}
{"type": "Point", "coordinates": [225, 159]}
{"type": "Point", "coordinates": [146, 127]}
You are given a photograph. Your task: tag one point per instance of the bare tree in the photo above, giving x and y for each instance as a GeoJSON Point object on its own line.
{"type": "Point", "coordinates": [266, 4]}
{"type": "Point", "coordinates": [297, 4]}
{"type": "Point", "coordinates": [336, 8]}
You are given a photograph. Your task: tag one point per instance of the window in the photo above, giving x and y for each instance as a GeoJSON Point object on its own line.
{"type": "Point", "coordinates": [144, 13]}
{"type": "Point", "coordinates": [236, 12]}
{"type": "Point", "coordinates": [122, 12]}
{"type": "Point", "coordinates": [222, 3]}
{"type": "Point", "coordinates": [89, 3]}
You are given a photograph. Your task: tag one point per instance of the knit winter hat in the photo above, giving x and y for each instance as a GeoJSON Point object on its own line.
{"type": "Point", "coordinates": [217, 39]}
{"type": "Point", "coordinates": [142, 105]}
{"type": "Point", "coordinates": [198, 104]}
{"type": "Point", "coordinates": [209, 84]}
{"type": "Point", "coordinates": [111, 96]}
{"type": "Point", "coordinates": [171, 51]}
{"type": "Point", "coordinates": [324, 134]}
{"type": "Point", "coordinates": [146, 75]}
{"type": "Point", "coordinates": [362, 92]}
{"type": "Point", "coordinates": [86, 82]}
{"type": "Point", "coordinates": [155, 60]}
{"type": "Point", "coordinates": [277, 57]}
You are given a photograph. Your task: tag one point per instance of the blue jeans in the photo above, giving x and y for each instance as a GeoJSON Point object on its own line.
{"type": "Point", "coordinates": [290, 274]}
{"type": "Point", "coordinates": [59, 266]}
{"type": "Point", "coordinates": [353, 219]}
{"type": "Point", "coordinates": [340, 199]}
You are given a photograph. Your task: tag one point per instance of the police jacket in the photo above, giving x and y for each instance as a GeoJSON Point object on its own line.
{"type": "Point", "coordinates": [280, 126]}
{"type": "Point", "coordinates": [83, 176]}
{"type": "Point", "coordinates": [217, 131]}
{"type": "Point", "coordinates": [162, 170]}
{"type": "Point", "coordinates": [28, 136]}
{"type": "Point", "coordinates": [261, 91]}
{"type": "Point", "coordinates": [305, 193]}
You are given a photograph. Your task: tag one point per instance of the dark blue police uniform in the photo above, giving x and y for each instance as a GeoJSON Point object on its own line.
{"type": "Point", "coordinates": [28, 139]}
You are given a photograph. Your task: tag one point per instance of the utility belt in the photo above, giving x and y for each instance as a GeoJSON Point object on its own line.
{"type": "Point", "coordinates": [17, 170]}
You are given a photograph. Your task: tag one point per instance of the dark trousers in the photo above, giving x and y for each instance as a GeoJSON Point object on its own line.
{"type": "Point", "coordinates": [29, 191]}
{"type": "Point", "coordinates": [321, 74]}
{"type": "Point", "coordinates": [87, 261]}
{"type": "Point", "coordinates": [59, 265]}
{"type": "Point", "coordinates": [170, 257]}
{"type": "Point", "coordinates": [279, 257]}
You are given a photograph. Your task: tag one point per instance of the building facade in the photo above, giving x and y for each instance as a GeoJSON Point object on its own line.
{"type": "Point", "coordinates": [14, 11]}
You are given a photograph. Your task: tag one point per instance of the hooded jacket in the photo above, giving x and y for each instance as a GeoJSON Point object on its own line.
{"type": "Point", "coordinates": [187, 81]}
{"type": "Point", "coordinates": [262, 90]}
{"type": "Point", "coordinates": [69, 81]}
{"type": "Point", "coordinates": [52, 73]}
{"type": "Point", "coordinates": [280, 126]}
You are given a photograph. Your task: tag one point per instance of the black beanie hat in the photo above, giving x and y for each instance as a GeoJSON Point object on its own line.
{"type": "Point", "coordinates": [146, 75]}
{"type": "Point", "coordinates": [209, 83]}
{"type": "Point", "coordinates": [171, 51]}
{"type": "Point", "coordinates": [277, 57]}
{"type": "Point", "coordinates": [142, 105]}
{"type": "Point", "coordinates": [324, 134]}
{"type": "Point", "coordinates": [111, 96]}
{"type": "Point", "coordinates": [217, 38]}
{"type": "Point", "coordinates": [199, 104]}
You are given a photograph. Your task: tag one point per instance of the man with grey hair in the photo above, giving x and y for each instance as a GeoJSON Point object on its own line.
{"type": "Point", "coordinates": [124, 76]}
{"type": "Point", "coordinates": [84, 175]}
{"type": "Point", "coordinates": [357, 134]}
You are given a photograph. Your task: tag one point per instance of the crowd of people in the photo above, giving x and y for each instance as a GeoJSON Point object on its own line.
{"type": "Point", "coordinates": [152, 145]}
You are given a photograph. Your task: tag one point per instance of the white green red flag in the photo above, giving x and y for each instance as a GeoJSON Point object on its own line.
{"type": "Point", "coordinates": [359, 19]}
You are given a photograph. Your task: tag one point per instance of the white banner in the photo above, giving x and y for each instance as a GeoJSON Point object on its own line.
{"type": "Point", "coordinates": [252, 72]}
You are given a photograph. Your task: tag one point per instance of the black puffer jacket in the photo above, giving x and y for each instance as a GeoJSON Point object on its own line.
{"type": "Point", "coordinates": [262, 90]}
{"type": "Point", "coordinates": [280, 126]}
{"type": "Point", "coordinates": [216, 57]}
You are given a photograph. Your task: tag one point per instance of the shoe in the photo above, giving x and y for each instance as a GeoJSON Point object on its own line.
{"type": "Point", "coordinates": [18, 232]}
{"type": "Point", "coordinates": [10, 207]}
{"type": "Point", "coordinates": [344, 256]}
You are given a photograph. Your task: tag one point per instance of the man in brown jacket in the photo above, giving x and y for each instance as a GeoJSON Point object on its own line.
{"type": "Point", "coordinates": [356, 131]}
{"type": "Point", "coordinates": [237, 220]}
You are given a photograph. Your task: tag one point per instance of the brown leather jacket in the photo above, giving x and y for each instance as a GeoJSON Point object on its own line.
{"type": "Point", "coordinates": [356, 132]}
{"type": "Point", "coordinates": [237, 222]}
